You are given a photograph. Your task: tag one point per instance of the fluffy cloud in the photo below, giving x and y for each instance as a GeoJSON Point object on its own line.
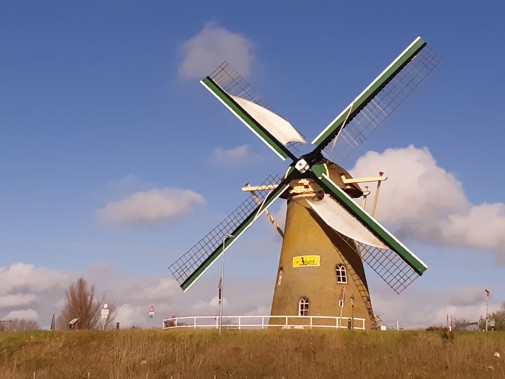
{"type": "Point", "coordinates": [479, 227]}
{"type": "Point", "coordinates": [160, 290]}
{"type": "Point", "coordinates": [23, 314]}
{"type": "Point", "coordinates": [149, 207]}
{"type": "Point", "coordinates": [416, 308]}
{"type": "Point", "coordinates": [232, 157]}
{"type": "Point", "coordinates": [9, 301]}
{"type": "Point", "coordinates": [417, 191]}
{"type": "Point", "coordinates": [424, 202]}
{"type": "Point", "coordinates": [22, 278]}
{"type": "Point", "coordinates": [24, 285]}
{"type": "Point", "coordinates": [129, 315]}
{"type": "Point", "coordinates": [213, 45]}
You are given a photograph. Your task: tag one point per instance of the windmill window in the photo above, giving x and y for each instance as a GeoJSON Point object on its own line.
{"type": "Point", "coordinates": [279, 276]}
{"type": "Point", "coordinates": [303, 307]}
{"type": "Point", "coordinates": [341, 274]}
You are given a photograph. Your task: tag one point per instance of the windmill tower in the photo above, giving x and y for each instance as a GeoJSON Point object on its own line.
{"type": "Point", "coordinates": [327, 235]}
{"type": "Point", "coordinates": [319, 268]}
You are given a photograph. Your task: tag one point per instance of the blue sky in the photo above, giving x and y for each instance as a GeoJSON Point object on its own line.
{"type": "Point", "coordinates": [115, 160]}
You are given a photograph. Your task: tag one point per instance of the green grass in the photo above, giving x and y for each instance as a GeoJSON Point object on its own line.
{"type": "Point", "coordinates": [250, 354]}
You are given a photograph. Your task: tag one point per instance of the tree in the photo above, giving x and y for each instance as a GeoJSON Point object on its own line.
{"type": "Point", "coordinates": [81, 304]}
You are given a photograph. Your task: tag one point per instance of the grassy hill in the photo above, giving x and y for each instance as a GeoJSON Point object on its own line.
{"type": "Point", "coordinates": [178, 354]}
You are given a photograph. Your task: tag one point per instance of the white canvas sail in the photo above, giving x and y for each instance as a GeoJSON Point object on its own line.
{"type": "Point", "coordinates": [343, 222]}
{"type": "Point", "coordinates": [277, 126]}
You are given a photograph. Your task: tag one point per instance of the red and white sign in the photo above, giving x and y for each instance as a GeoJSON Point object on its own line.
{"type": "Point", "coordinates": [151, 312]}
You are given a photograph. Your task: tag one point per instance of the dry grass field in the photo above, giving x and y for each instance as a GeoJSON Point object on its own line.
{"type": "Point", "coordinates": [155, 353]}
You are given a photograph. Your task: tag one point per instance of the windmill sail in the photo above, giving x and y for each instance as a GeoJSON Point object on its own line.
{"type": "Point", "coordinates": [343, 222]}
{"type": "Point", "coordinates": [389, 266]}
{"type": "Point", "coordinates": [396, 264]}
{"type": "Point", "coordinates": [397, 273]}
{"type": "Point", "coordinates": [366, 113]}
{"type": "Point", "coordinates": [280, 128]}
{"type": "Point", "coordinates": [237, 95]}
{"type": "Point", "coordinates": [192, 264]}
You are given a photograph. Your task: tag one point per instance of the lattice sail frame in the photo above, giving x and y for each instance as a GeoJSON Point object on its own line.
{"type": "Point", "coordinates": [234, 84]}
{"type": "Point", "coordinates": [360, 122]}
{"type": "Point", "coordinates": [192, 264]}
{"type": "Point", "coordinates": [388, 265]}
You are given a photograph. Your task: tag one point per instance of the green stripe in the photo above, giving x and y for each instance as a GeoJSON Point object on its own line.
{"type": "Point", "coordinates": [363, 99]}
{"type": "Point", "coordinates": [247, 119]}
{"type": "Point", "coordinates": [368, 221]}
{"type": "Point", "coordinates": [237, 233]}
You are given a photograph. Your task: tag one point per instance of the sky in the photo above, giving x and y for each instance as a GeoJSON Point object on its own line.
{"type": "Point", "coordinates": [115, 160]}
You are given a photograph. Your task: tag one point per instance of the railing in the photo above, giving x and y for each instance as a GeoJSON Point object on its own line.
{"type": "Point", "coordinates": [264, 322]}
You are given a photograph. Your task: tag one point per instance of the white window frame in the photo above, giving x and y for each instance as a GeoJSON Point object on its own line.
{"type": "Point", "coordinates": [303, 306]}
{"type": "Point", "coordinates": [341, 273]}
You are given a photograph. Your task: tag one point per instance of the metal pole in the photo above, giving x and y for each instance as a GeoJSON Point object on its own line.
{"type": "Point", "coordinates": [221, 285]}
{"type": "Point", "coordinates": [221, 293]}
{"type": "Point", "coordinates": [352, 312]}
{"type": "Point", "coordinates": [487, 308]}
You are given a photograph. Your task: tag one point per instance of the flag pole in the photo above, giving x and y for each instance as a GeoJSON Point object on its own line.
{"type": "Point", "coordinates": [221, 286]}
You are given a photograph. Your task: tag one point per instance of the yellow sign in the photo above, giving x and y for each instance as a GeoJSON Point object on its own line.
{"type": "Point", "coordinates": [306, 260]}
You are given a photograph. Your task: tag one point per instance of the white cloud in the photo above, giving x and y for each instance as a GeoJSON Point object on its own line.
{"type": "Point", "coordinates": [417, 190]}
{"type": "Point", "coordinates": [481, 226]}
{"type": "Point", "coordinates": [23, 285]}
{"type": "Point", "coordinates": [23, 314]}
{"type": "Point", "coordinates": [10, 301]}
{"type": "Point", "coordinates": [210, 47]}
{"type": "Point", "coordinates": [22, 277]}
{"type": "Point", "coordinates": [150, 207]}
{"type": "Point", "coordinates": [161, 290]}
{"type": "Point", "coordinates": [129, 315]}
{"type": "Point", "coordinates": [233, 157]}
{"type": "Point", "coordinates": [424, 202]}
{"type": "Point", "coordinates": [420, 308]}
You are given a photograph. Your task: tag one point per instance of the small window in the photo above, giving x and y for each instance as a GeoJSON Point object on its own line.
{"type": "Point", "coordinates": [341, 274]}
{"type": "Point", "coordinates": [279, 276]}
{"type": "Point", "coordinates": [303, 307]}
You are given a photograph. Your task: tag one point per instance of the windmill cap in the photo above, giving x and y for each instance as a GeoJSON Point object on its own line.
{"type": "Point", "coordinates": [336, 172]}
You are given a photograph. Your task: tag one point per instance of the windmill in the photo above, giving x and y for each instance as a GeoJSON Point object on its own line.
{"type": "Point", "coordinates": [327, 235]}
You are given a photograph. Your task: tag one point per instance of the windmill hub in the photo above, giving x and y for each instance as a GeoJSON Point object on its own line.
{"type": "Point", "coordinates": [302, 166]}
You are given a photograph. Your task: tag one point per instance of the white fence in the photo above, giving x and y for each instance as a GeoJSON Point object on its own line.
{"type": "Point", "coordinates": [264, 322]}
